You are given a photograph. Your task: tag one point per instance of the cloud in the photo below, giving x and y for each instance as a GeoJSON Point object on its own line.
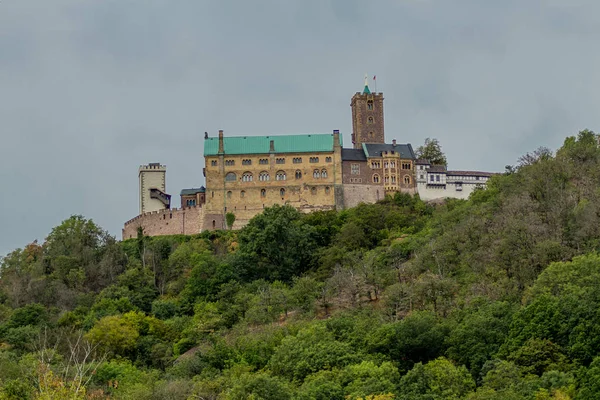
{"type": "Point", "coordinates": [91, 89]}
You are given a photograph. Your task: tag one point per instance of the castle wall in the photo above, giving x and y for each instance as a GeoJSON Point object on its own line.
{"type": "Point", "coordinates": [356, 194]}
{"type": "Point", "coordinates": [449, 190]}
{"type": "Point", "coordinates": [186, 221]}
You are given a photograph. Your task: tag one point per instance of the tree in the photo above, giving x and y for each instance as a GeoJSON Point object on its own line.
{"type": "Point", "coordinates": [432, 151]}
{"type": "Point", "coordinates": [230, 219]}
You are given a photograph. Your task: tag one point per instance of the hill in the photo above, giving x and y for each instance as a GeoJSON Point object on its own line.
{"type": "Point", "coordinates": [496, 297]}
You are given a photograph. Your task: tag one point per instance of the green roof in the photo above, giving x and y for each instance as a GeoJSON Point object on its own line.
{"type": "Point", "coordinates": [366, 90]}
{"type": "Point", "coordinates": [308, 143]}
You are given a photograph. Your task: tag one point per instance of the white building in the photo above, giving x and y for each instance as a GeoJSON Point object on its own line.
{"type": "Point", "coordinates": [436, 182]}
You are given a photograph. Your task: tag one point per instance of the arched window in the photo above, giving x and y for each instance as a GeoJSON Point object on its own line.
{"type": "Point", "coordinates": [264, 176]}
{"type": "Point", "coordinates": [298, 174]}
{"type": "Point", "coordinates": [229, 194]}
{"type": "Point", "coordinates": [263, 193]}
{"type": "Point", "coordinates": [370, 105]}
{"type": "Point", "coordinates": [327, 190]}
{"type": "Point", "coordinates": [370, 120]}
{"type": "Point", "coordinates": [214, 224]}
{"type": "Point", "coordinates": [282, 192]}
{"type": "Point", "coordinates": [323, 173]}
{"type": "Point", "coordinates": [316, 174]}
{"type": "Point", "coordinates": [407, 179]}
{"type": "Point", "coordinates": [375, 178]}
{"type": "Point", "coordinates": [313, 190]}
{"type": "Point", "coordinates": [247, 177]}
{"type": "Point", "coordinates": [280, 176]}
{"type": "Point", "coordinates": [371, 135]}
{"type": "Point", "coordinates": [243, 194]}
{"type": "Point", "coordinates": [230, 177]}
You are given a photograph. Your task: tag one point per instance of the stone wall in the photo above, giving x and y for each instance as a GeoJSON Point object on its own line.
{"type": "Point", "coordinates": [356, 194]}
{"type": "Point", "coordinates": [186, 221]}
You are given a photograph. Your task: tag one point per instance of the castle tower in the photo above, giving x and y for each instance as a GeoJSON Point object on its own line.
{"type": "Point", "coordinates": [153, 196]}
{"type": "Point", "coordinates": [367, 117]}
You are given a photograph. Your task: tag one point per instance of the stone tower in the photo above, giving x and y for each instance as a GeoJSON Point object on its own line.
{"type": "Point", "coordinates": [367, 117]}
{"type": "Point", "coordinates": [153, 196]}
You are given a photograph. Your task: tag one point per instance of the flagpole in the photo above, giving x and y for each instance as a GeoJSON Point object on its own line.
{"type": "Point", "coordinates": [375, 82]}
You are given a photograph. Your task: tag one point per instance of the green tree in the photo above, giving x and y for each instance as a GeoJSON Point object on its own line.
{"type": "Point", "coordinates": [438, 379]}
{"type": "Point", "coordinates": [432, 151]}
{"type": "Point", "coordinates": [230, 219]}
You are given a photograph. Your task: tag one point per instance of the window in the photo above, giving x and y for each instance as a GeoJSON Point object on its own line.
{"type": "Point", "coordinates": [328, 159]}
{"type": "Point", "coordinates": [375, 164]}
{"type": "Point", "coordinates": [323, 173]}
{"type": "Point", "coordinates": [393, 164]}
{"type": "Point", "coordinates": [327, 190]}
{"type": "Point", "coordinates": [370, 105]}
{"type": "Point", "coordinates": [437, 178]}
{"type": "Point", "coordinates": [263, 193]}
{"type": "Point", "coordinates": [263, 161]}
{"type": "Point", "coordinates": [393, 178]}
{"type": "Point", "coordinates": [247, 177]}
{"type": "Point", "coordinates": [355, 169]}
{"type": "Point", "coordinates": [297, 160]}
{"type": "Point", "coordinates": [431, 178]}
{"type": "Point", "coordinates": [263, 176]}
{"type": "Point", "coordinates": [316, 174]}
{"type": "Point", "coordinates": [214, 223]}
{"type": "Point", "coordinates": [355, 180]}
{"type": "Point", "coordinates": [386, 164]}
{"type": "Point", "coordinates": [243, 194]}
{"type": "Point", "coordinates": [213, 163]}
{"type": "Point", "coordinates": [247, 162]}
{"type": "Point", "coordinates": [229, 194]}
{"type": "Point", "coordinates": [314, 159]}
{"type": "Point", "coordinates": [375, 178]}
{"type": "Point", "coordinates": [370, 120]}
{"type": "Point", "coordinates": [476, 178]}
{"type": "Point", "coordinates": [230, 177]}
{"type": "Point", "coordinates": [298, 174]}
{"type": "Point", "coordinates": [371, 135]}
{"type": "Point", "coordinates": [421, 176]}
{"type": "Point", "coordinates": [282, 192]}
{"type": "Point", "coordinates": [229, 163]}
{"type": "Point", "coordinates": [190, 203]}
{"type": "Point", "coordinates": [407, 179]}
{"type": "Point", "coordinates": [212, 194]}
{"type": "Point", "coordinates": [313, 190]}
{"type": "Point", "coordinates": [406, 166]}
{"type": "Point", "coordinates": [280, 176]}
{"type": "Point", "coordinates": [386, 179]}
{"type": "Point", "coordinates": [280, 161]}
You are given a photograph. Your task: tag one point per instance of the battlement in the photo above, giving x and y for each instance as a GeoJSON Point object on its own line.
{"type": "Point", "coordinates": [160, 212]}
{"type": "Point", "coordinates": [153, 167]}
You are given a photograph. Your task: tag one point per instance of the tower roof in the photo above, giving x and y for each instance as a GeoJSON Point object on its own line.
{"type": "Point", "coordinates": [366, 89]}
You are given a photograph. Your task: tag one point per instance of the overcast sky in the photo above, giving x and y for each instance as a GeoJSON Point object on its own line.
{"type": "Point", "coordinates": [90, 89]}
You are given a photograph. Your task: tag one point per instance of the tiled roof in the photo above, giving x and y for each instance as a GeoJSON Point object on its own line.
{"type": "Point", "coordinates": [422, 161]}
{"type": "Point", "coordinates": [469, 173]}
{"type": "Point", "coordinates": [308, 143]}
{"type": "Point", "coordinates": [185, 192]}
{"type": "Point", "coordinates": [376, 149]}
{"type": "Point", "coordinates": [437, 168]}
{"type": "Point", "coordinates": [353, 155]}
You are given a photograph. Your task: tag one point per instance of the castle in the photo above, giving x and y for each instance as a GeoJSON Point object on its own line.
{"type": "Point", "coordinates": [310, 172]}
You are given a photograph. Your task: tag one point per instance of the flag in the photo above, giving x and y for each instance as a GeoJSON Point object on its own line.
{"type": "Point", "coordinates": [374, 76]}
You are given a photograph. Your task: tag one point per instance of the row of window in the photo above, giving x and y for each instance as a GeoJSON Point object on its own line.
{"type": "Point", "coordinates": [263, 192]}
{"type": "Point", "coordinates": [390, 179]}
{"type": "Point", "coordinates": [388, 164]}
{"type": "Point", "coordinates": [279, 176]}
{"type": "Point", "coordinates": [265, 161]}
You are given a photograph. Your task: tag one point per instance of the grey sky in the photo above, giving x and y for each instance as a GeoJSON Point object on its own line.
{"type": "Point", "coordinates": [90, 89]}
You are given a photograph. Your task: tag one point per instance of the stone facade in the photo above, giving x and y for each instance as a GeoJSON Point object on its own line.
{"type": "Point", "coordinates": [182, 221]}
{"type": "Point", "coordinates": [367, 118]}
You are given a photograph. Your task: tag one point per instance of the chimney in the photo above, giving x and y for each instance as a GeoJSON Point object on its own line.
{"type": "Point", "coordinates": [272, 146]}
{"type": "Point", "coordinates": [336, 138]}
{"type": "Point", "coordinates": [394, 142]}
{"type": "Point", "coordinates": [221, 145]}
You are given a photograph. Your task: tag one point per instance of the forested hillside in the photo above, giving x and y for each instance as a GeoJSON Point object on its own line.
{"type": "Point", "coordinates": [494, 298]}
